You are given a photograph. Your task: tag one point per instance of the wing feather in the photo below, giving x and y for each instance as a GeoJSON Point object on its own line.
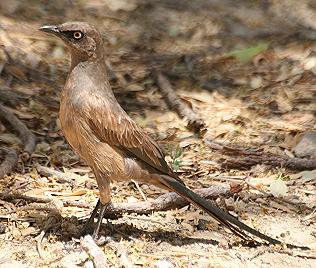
{"type": "Point", "coordinates": [110, 123]}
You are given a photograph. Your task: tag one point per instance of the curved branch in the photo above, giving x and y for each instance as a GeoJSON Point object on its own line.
{"type": "Point", "coordinates": [61, 176]}
{"type": "Point", "coordinates": [166, 201]}
{"type": "Point", "coordinates": [9, 162]}
{"type": "Point", "coordinates": [26, 136]}
{"type": "Point", "coordinates": [174, 102]}
{"type": "Point", "coordinates": [95, 252]}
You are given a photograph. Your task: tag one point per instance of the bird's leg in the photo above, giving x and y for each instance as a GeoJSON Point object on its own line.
{"type": "Point", "coordinates": [88, 227]}
{"type": "Point", "coordinates": [103, 209]}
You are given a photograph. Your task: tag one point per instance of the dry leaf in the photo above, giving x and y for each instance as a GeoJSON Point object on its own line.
{"type": "Point", "coordinates": [307, 176]}
{"type": "Point", "coordinates": [74, 193]}
{"type": "Point", "coordinates": [278, 188]}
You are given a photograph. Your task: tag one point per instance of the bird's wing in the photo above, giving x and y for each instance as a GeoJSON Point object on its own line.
{"type": "Point", "coordinates": [110, 123]}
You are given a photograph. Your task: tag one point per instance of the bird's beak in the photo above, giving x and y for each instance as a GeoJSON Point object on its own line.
{"type": "Point", "coordinates": [52, 29]}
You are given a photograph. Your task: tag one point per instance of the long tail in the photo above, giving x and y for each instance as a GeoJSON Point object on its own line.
{"type": "Point", "coordinates": [223, 217]}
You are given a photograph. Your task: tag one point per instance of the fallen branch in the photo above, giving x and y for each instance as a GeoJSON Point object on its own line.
{"type": "Point", "coordinates": [9, 162]}
{"type": "Point", "coordinates": [26, 136]}
{"type": "Point", "coordinates": [164, 202]}
{"type": "Point", "coordinates": [175, 103]}
{"type": "Point", "coordinates": [16, 196]}
{"type": "Point", "coordinates": [98, 257]}
{"type": "Point", "coordinates": [244, 158]}
{"type": "Point", "coordinates": [61, 176]}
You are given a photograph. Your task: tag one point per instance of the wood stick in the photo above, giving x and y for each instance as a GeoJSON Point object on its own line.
{"type": "Point", "coordinates": [11, 159]}
{"type": "Point", "coordinates": [61, 176]}
{"type": "Point", "coordinates": [175, 103]}
{"type": "Point", "coordinates": [244, 158]}
{"type": "Point", "coordinates": [17, 196]}
{"type": "Point", "coordinates": [98, 257]}
{"type": "Point", "coordinates": [166, 201]}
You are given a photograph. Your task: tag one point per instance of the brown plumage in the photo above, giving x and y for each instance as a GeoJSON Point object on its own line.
{"type": "Point", "coordinates": [110, 142]}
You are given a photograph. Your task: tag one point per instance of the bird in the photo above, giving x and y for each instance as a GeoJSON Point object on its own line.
{"type": "Point", "coordinates": [109, 141]}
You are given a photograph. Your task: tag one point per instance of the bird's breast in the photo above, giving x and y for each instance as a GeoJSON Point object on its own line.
{"type": "Point", "coordinates": [99, 155]}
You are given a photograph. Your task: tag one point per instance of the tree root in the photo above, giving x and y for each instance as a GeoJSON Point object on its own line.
{"type": "Point", "coordinates": [26, 136]}
{"type": "Point", "coordinates": [175, 103]}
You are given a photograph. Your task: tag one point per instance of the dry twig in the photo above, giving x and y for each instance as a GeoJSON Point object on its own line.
{"type": "Point", "coordinates": [61, 176]}
{"type": "Point", "coordinates": [140, 190]}
{"type": "Point", "coordinates": [17, 196]}
{"type": "Point", "coordinates": [244, 179]}
{"type": "Point", "coordinates": [244, 158]}
{"type": "Point", "coordinates": [98, 257]}
{"type": "Point", "coordinates": [175, 103]}
{"type": "Point", "coordinates": [26, 136]}
{"type": "Point", "coordinates": [166, 201]}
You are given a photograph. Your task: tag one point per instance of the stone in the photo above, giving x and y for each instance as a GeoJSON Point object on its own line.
{"type": "Point", "coordinates": [306, 147]}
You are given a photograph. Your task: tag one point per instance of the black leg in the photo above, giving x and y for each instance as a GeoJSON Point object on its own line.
{"type": "Point", "coordinates": [103, 209]}
{"type": "Point", "coordinates": [88, 227]}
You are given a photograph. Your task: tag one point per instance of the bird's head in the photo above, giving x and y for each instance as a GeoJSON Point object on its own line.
{"type": "Point", "coordinates": [83, 40]}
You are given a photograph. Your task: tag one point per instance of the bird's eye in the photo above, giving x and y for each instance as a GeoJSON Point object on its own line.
{"type": "Point", "coordinates": [77, 35]}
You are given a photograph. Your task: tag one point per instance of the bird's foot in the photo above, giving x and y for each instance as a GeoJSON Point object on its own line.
{"type": "Point", "coordinates": [88, 227]}
{"type": "Point", "coordinates": [91, 228]}
{"type": "Point", "coordinates": [108, 227]}
{"type": "Point", "coordinates": [102, 240]}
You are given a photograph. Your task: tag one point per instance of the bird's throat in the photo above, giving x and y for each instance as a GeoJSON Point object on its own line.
{"type": "Point", "coordinates": [76, 58]}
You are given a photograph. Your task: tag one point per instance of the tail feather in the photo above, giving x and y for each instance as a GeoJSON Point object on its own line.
{"type": "Point", "coordinates": [231, 222]}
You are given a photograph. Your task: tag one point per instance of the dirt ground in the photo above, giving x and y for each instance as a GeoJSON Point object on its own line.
{"type": "Point", "coordinates": [244, 68]}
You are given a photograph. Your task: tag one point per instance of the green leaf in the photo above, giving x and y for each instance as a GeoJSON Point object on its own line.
{"type": "Point", "coordinates": [178, 152]}
{"type": "Point", "coordinates": [247, 54]}
{"type": "Point", "coordinates": [175, 165]}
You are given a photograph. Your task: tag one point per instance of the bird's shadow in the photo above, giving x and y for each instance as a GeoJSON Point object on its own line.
{"type": "Point", "coordinates": [71, 227]}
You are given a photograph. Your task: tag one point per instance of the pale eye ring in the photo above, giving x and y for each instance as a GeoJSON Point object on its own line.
{"type": "Point", "coordinates": [77, 35]}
